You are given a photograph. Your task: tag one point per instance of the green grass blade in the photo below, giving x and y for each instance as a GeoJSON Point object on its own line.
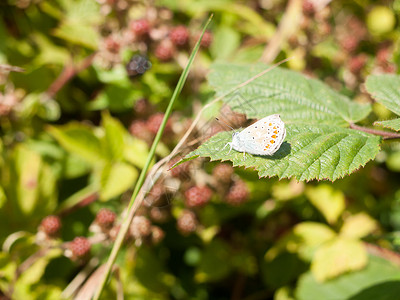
{"type": "Point", "coordinates": [126, 222]}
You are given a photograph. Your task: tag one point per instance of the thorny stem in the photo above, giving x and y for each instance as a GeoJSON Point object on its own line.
{"type": "Point", "coordinates": [66, 75]}
{"type": "Point", "coordinates": [385, 134]}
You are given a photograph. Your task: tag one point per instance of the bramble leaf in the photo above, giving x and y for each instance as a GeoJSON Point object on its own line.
{"type": "Point", "coordinates": [292, 95]}
{"type": "Point", "coordinates": [385, 90]}
{"type": "Point", "coordinates": [308, 152]}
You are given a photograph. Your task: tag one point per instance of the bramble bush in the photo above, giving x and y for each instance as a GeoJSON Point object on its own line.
{"type": "Point", "coordinates": [94, 161]}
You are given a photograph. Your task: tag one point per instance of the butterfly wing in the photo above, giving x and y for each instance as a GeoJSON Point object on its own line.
{"type": "Point", "coordinates": [264, 137]}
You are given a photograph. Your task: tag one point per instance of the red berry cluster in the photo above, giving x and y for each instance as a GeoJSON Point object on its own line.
{"type": "Point", "coordinates": [238, 193]}
{"type": "Point", "coordinates": [50, 225]}
{"type": "Point", "coordinates": [147, 129]}
{"type": "Point", "coordinates": [223, 173]}
{"type": "Point", "coordinates": [187, 222]}
{"type": "Point", "coordinates": [140, 227]}
{"type": "Point", "coordinates": [80, 247]}
{"type": "Point", "coordinates": [105, 218]}
{"type": "Point", "coordinates": [198, 196]}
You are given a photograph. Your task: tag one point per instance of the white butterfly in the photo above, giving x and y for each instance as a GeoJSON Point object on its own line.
{"type": "Point", "coordinates": [264, 137]}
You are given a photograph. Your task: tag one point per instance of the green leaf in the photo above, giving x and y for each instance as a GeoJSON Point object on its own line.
{"type": "Point", "coordinates": [375, 275]}
{"type": "Point", "coordinates": [338, 256]}
{"type": "Point", "coordinates": [304, 239]}
{"type": "Point", "coordinates": [290, 94]}
{"type": "Point", "coordinates": [385, 89]}
{"type": "Point", "coordinates": [80, 140]}
{"type": "Point", "coordinates": [358, 226]}
{"type": "Point", "coordinates": [328, 201]}
{"type": "Point", "coordinates": [308, 152]}
{"type": "Point", "coordinates": [78, 33]}
{"type": "Point", "coordinates": [116, 179]}
{"type": "Point", "coordinates": [392, 124]}
{"type": "Point", "coordinates": [215, 262]}
{"type": "Point", "coordinates": [114, 136]}
{"type": "Point", "coordinates": [226, 41]}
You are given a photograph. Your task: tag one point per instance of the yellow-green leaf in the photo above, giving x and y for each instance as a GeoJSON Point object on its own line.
{"type": "Point", "coordinates": [338, 256]}
{"type": "Point", "coordinates": [358, 226]}
{"type": "Point", "coordinates": [327, 200]}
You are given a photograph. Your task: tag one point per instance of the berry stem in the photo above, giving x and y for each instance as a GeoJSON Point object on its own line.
{"type": "Point", "coordinates": [385, 134]}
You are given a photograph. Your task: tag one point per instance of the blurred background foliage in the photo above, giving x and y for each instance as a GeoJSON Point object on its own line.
{"type": "Point", "coordinates": [83, 85]}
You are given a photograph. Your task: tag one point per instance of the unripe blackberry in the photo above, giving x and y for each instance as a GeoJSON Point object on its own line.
{"type": "Point", "coordinates": [138, 65]}
{"type": "Point", "coordinates": [50, 225]}
{"type": "Point", "coordinates": [180, 170]}
{"type": "Point", "coordinates": [157, 234]}
{"type": "Point", "coordinates": [198, 196]}
{"type": "Point", "coordinates": [140, 27]}
{"type": "Point", "coordinates": [238, 193]}
{"type": "Point", "coordinates": [105, 218]}
{"type": "Point", "coordinates": [159, 215]}
{"type": "Point", "coordinates": [79, 247]}
{"type": "Point", "coordinates": [143, 108]}
{"type": "Point", "coordinates": [179, 35]}
{"type": "Point", "coordinates": [139, 129]}
{"type": "Point", "coordinates": [187, 222]}
{"type": "Point", "coordinates": [111, 44]}
{"type": "Point", "coordinates": [349, 43]}
{"type": "Point", "coordinates": [383, 55]}
{"type": "Point", "coordinates": [140, 227]}
{"type": "Point", "coordinates": [223, 173]}
{"type": "Point", "coordinates": [165, 50]}
{"type": "Point", "coordinates": [154, 123]}
{"type": "Point", "coordinates": [207, 39]}
{"type": "Point", "coordinates": [357, 63]}
{"type": "Point", "coordinates": [308, 7]}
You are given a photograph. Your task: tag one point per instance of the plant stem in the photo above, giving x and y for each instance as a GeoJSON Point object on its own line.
{"type": "Point", "coordinates": [131, 209]}
{"type": "Point", "coordinates": [385, 134]}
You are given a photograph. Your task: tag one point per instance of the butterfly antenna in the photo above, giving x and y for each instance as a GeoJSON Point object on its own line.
{"type": "Point", "coordinates": [225, 123]}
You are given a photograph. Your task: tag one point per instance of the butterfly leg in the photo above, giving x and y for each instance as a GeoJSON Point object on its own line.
{"type": "Point", "coordinates": [230, 144]}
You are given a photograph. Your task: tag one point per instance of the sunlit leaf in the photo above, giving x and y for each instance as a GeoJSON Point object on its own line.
{"type": "Point", "coordinates": [290, 94]}
{"type": "Point", "coordinates": [338, 256]}
{"type": "Point", "coordinates": [308, 152]}
{"type": "Point", "coordinates": [358, 226]}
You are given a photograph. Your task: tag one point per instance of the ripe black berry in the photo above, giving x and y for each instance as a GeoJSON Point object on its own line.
{"type": "Point", "coordinates": [138, 65]}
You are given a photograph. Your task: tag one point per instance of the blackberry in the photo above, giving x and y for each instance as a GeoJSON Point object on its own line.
{"type": "Point", "coordinates": [154, 123]}
{"type": "Point", "coordinates": [223, 173]}
{"type": "Point", "coordinates": [139, 129]}
{"type": "Point", "coordinates": [140, 227]}
{"type": "Point", "coordinates": [140, 27]}
{"type": "Point", "coordinates": [349, 43]}
{"type": "Point", "coordinates": [198, 196]}
{"type": "Point", "coordinates": [238, 193]}
{"type": "Point", "coordinates": [179, 35]}
{"type": "Point", "coordinates": [157, 234]}
{"type": "Point", "coordinates": [79, 247]}
{"type": "Point", "coordinates": [105, 218]}
{"type": "Point", "coordinates": [138, 65]}
{"type": "Point", "coordinates": [50, 225]}
{"type": "Point", "coordinates": [143, 108]}
{"type": "Point", "coordinates": [159, 215]}
{"type": "Point", "coordinates": [308, 7]}
{"type": "Point", "coordinates": [111, 44]}
{"type": "Point", "coordinates": [187, 222]}
{"type": "Point", "coordinates": [165, 50]}
{"type": "Point", "coordinates": [207, 39]}
{"type": "Point", "coordinates": [357, 63]}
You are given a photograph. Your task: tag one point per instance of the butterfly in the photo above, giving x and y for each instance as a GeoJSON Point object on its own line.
{"type": "Point", "coordinates": [264, 137]}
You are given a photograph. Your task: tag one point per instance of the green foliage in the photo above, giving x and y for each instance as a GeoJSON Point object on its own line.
{"type": "Point", "coordinates": [385, 90]}
{"type": "Point", "coordinates": [308, 152]}
{"type": "Point", "coordinates": [296, 98]}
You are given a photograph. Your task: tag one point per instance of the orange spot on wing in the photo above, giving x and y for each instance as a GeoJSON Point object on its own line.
{"type": "Point", "coordinates": [274, 126]}
{"type": "Point", "coordinates": [274, 136]}
{"type": "Point", "coordinates": [272, 141]}
{"type": "Point", "coordinates": [270, 124]}
{"type": "Point", "coordinates": [266, 147]}
{"type": "Point", "coordinates": [276, 131]}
